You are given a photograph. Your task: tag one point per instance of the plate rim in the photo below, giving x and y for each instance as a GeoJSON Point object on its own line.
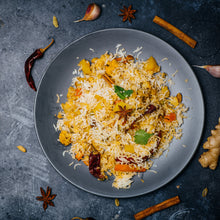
{"type": "Point", "coordinates": [131, 195]}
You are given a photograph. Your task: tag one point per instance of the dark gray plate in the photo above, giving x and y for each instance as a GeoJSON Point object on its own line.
{"type": "Point", "coordinates": [57, 79]}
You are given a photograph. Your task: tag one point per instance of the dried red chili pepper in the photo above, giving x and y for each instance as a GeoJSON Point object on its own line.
{"type": "Point", "coordinates": [94, 165]}
{"type": "Point", "coordinates": [150, 108]}
{"type": "Point", "coordinates": [30, 62]}
{"type": "Point", "coordinates": [159, 134]}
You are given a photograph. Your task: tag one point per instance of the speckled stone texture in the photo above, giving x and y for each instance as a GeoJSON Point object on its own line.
{"type": "Point", "coordinates": [27, 25]}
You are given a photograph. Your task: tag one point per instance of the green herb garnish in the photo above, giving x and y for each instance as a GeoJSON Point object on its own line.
{"type": "Point", "coordinates": [122, 93]}
{"type": "Point", "coordinates": [142, 137]}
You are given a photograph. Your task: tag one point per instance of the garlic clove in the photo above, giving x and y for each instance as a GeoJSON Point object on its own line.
{"type": "Point", "coordinates": [214, 70]}
{"type": "Point", "coordinates": [92, 12]}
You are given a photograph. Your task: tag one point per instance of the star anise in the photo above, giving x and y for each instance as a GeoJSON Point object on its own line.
{"type": "Point", "coordinates": [46, 197]}
{"type": "Point", "coordinates": [124, 113]}
{"type": "Point", "coordinates": [127, 13]}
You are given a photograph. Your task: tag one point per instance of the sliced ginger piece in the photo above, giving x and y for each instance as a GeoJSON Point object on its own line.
{"type": "Point", "coordinates": [210, 158]}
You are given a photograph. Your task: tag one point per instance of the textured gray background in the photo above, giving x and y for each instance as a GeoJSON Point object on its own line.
{"type": "Point", "coordinates": [27, 25]}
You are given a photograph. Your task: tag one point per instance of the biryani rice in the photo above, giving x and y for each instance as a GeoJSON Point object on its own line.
{"type": "Point", "coordinates": [88, 120]}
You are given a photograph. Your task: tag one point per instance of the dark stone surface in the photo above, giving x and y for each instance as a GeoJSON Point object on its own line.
{"type": "Point", "coordinates": [27, 25]}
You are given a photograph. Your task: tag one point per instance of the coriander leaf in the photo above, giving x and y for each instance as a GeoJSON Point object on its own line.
{"type": "Point", "coordinates": [122, 93]}
{"type": "Point", "coordinates": [142, 137]}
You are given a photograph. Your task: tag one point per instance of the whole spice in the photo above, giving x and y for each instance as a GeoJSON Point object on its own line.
{"type": "Point", "coordinates": [124, 113]}
{"type": "Point", "coordinates": [179, 97]}
{"type": "Point", "coordinates": [214, 70]}
{"type": "Point", "coordinates": [127, 13]}
{"type": "Point", "coordinates": [204, 192]}
{"type": "Point", "coordinates": [178, 33]}
{"type": "Point", "coordinates": [46, 197]}
{"type": "Point", "coordinates": [94, 165]}
{"type": "Point", "coordinates": [21, 148]}
{"type": "Point", "coordinates": [55, 22]}
{"type": "Point", "coordinates": [92, 12]}
{"type": "Point", "coordinates": [30, 62]}
{"type": "Point", "coordinates": [107, 79]}
{"type": "Point", "coordinates": [163, 205]}
{"type": "Point", "coordinates": [117, 202]}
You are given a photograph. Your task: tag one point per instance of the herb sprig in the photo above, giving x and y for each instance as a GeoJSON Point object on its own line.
{"type": "Point", "coordinates": [122, 93]}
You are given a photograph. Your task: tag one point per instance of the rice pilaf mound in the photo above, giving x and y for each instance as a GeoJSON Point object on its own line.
{"type": "Point", "coordinates": [97, 120]}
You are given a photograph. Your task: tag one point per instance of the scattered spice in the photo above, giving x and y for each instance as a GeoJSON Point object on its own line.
{"type": "Point", "coordinates": [204, 192]}
{"type": "Point", "coordinates": [30, 62]}
{"type": "Point", "coordinates": [214, 70]}
{"type": "Point", "coordinates": [178, 33]}
{"type": "Point", "coordinates": [21, 148]}
{"type": "Point", "coordinates": [107, 79]}
{"type": "Point", "coordinates": [178, 186]}
{"type": "Point", "coordinates": [55, 22]}
{"type": "Point", "coordinates": [163, 205]}
{"type": "Point", "coordinates": [124, 113]}
{"type": "Point", "coordinates": [127, 13]}
{"type": "Point", "coordinates": [46, 197]}
{"type": "Point", "coordinates": [117, 202]}
{"type": "Point", "coordinates": [92, 12]}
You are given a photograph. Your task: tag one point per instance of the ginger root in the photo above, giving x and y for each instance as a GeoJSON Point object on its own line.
{"type": "Point", "coordinates": [210, 158]}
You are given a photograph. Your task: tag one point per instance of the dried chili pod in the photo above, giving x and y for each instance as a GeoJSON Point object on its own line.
{"type": "Point", "coordinates": [159, 134]}
{"type": "Point", "coordinates": [30, 62]}
{"type": "Point", "coordinates": [150, 108]}
{"type": "Point", "coordinates": [94, 165]}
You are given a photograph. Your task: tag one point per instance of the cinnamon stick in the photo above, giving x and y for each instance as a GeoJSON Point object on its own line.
{"type": "Point", "coordinates": [178, 33]}
{"type": "Point", "coordinates": [107, 79]}
{"type": "Point", "coordinates": [163, 205]}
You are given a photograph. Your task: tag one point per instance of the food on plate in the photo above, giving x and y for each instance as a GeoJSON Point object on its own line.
{"type": "Point", "coordinates": [210, 158]}
{"type": "Point", "coordinates": [118, 115]}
